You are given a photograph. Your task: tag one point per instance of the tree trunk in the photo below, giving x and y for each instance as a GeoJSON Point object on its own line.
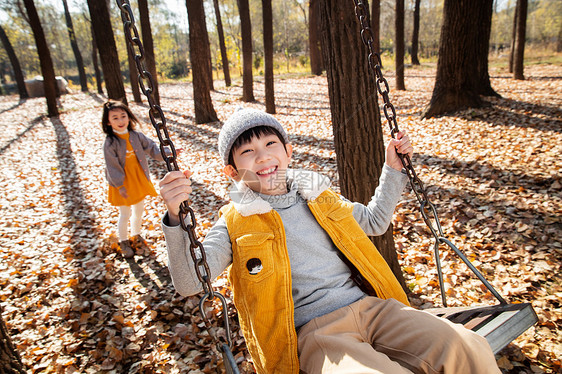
{"type": "Point", "coordinates": [133, 75]}
{"type": "Point", "coordinates": [148, 45]}
{"type": "Point", "coordinates": [356, 122]}
{"type": "Point", "coordinates": [313, 39]}
{"type": "Point", "coordinates": [458, 81]}
{"type": "Point", "coordinates": [518, 56]}
{"type": "Point", "coordinates": [376, 25]}
{"type": "Point", "coordinates": [95, 61]}
{"type": "Point", "coordinates": [49, 79]}
{"type": "Point", "coordinates": [559, 43]}
{"type": "Point", "coordinates": [483, 85]}
{"type": "Point", "coordinates": [247, 75]}
{"type": "Point", "coordinates": [16, 67]}
{"type": "Point", "coordinates": [99, 13]}
{"type": "Point", "coordinates": [513, 36]}
{"type": "Point", "coordinates": [74, 45]}
{"type": "Point", "coordinates": [268, 52]}
{"type": "Point", "coordinates": [10, 361]}
{"type": "Point", "coordinates": [200, 55]}
{"type": "Point", "coordinates": [399, 45]}
{"type": "Point", "coordinates": [222, 44]}
{"type": "Point", "coordinates": [416, 33]}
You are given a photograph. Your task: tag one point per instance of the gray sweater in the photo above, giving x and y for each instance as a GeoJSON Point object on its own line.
{"type": "Point", "coordinates": [320, 279]}
{"type": "Point", "coordinates": [115, 153]}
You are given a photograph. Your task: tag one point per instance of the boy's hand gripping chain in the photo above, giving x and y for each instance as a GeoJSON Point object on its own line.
{"type": "Point", "coordinates": [427, 209]}
{"type": "Point", "coordinates": [168, 152]}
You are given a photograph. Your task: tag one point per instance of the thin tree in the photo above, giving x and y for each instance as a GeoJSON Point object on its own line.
{"type": "Point", "coordinates": [376, 24]}
{"type": "Point", "coordinates": [246, 29]}
{"type": "Point", "coordinates": [222, 44]}
{"type": "Point", "coordinates": [133, 70]}
{"type": "Point", "coordinates": [49, 78]}
{"type": "Point", "coordinates": [268, 52]}
{"type": "Point", "coordinates": [148, 45]}
{"type": "Point", "coordinates": [199, 54]}
{"type": "Point", "coordinates": [518, 56]}
{"type": "Point", "coordinates": [75, 49]}
{"type": "Point", "coordinates": [513, 36]}
{"type": "Point", "coordinates": [416, 33]}
{"type": "Point", "coordinates": [10, 361]}
{"type": "Point", "coordinates": [399, 46]}
{"type": "Point", "coordinates": [458, 82]}
{"type": "Point", "coordinates": [133, 75]}
{"type": "Point", "coordinates": [97, 72]}
{"type": "Point", "coordinates": [313, 38]}
{"type": "Point", "coordinates": [16, 67]}
{"type": "Point", "coordinates": [358, 136]}
{"type": "Point", "coordinates": [559, 42]}
{"type": "Point", "coordinates": [101, 23]}
{"type": "Point", "coordinates": [483, 85]}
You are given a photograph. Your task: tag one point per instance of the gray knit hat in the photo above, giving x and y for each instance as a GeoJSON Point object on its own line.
{"type": "Point", "coordinates": [240, 121]}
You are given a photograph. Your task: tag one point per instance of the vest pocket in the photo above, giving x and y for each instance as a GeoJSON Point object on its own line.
{"type": "Point", "coordinates": [342, 218]}
{"type": "Point", "coordinates": [338, 214]}
{"type": "Point", "coordinates": [253, 256]}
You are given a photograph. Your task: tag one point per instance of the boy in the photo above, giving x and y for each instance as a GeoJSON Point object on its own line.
{"type": "Point", "coordinates": [296, 248]}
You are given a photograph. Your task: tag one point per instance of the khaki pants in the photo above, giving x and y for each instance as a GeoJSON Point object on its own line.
{"type": "Point", "coordinates": [385, 336]}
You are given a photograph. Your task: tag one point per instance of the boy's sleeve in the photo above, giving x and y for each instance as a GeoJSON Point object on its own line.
{"type": "Point", "coordinates": [218, 252]}
{"type": "Point", "coordinates": [375, 218]}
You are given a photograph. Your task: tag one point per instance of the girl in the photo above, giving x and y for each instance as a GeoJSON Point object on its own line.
{"type": "Point", "coordinates": [127, 173]}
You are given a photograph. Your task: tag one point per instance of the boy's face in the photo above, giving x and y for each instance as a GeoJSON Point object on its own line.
{"type": "Point", "coordinates": [262, 164]}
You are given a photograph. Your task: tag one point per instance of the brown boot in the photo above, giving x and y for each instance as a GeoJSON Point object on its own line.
{"type": "Point", "coordinates": [126, 249]}
{"type": "Point", "coordinates": [139, 245]}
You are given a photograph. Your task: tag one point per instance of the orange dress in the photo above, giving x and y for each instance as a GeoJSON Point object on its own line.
{"type": "Point", "coordinates": [136, 183]}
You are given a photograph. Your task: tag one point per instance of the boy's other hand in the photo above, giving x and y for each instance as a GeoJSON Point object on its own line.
{"type": "Point", "coordinates": [175, 188]}
{"type": "Point", "coordinates": [400, 145]}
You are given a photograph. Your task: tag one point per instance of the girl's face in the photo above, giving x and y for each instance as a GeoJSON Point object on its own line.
{"type": "Point", "coordinates": [118, 120]}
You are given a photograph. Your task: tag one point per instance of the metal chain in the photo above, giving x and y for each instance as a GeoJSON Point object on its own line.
{"type": "Point", "coordinates": [169, 154]}
{"type": "Point", "coordinates": [427, 209]}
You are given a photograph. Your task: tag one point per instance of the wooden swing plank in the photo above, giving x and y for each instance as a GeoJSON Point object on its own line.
{"type": "Point", "coordinates": [499, 324]}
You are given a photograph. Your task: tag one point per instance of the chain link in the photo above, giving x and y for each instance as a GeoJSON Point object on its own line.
{"type": "Point", "coordinates": [427, 209]}
{"type": "Point", "coordinates": [169, 154]}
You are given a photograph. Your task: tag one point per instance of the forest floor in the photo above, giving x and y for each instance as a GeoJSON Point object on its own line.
{"type": "Point", "coordinates": [74, 304]}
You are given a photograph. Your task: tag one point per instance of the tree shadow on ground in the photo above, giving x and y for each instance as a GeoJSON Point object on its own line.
{"type": "Point", "coordinates": [20, 102]}
{"type": "Point", "coordinates": [150, 273]}
{"type": "Point", "coordinates": [31, 125]}
{"type": "Point", "coordinates": [78, 215]}
{"type": "Point", "coordinates": [99, 98]}
{"type": "Point", "coordinates": [504, 108]}
{"type": "Point", "coordinates": [494, 108]}
{"type": "Point", "coordinates": [483, 172]}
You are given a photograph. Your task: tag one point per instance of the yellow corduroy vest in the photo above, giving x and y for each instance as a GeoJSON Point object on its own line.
{"type": "Point", "coordinates": [260, 276]}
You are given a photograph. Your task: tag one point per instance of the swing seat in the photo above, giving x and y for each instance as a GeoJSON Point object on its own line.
{"type": "Point", "coordinates": [499, 324]}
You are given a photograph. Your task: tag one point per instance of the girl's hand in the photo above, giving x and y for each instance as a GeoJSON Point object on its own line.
{"type": "Point", "coordinates": [123, 192]}
{"type": "Point", "coordinates": [400, 145]}
{"type": "Point", "coordinates": [175, 188]}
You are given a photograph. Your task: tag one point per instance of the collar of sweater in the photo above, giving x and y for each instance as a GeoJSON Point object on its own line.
{"type": "Point", "coordinates": [308, 184]}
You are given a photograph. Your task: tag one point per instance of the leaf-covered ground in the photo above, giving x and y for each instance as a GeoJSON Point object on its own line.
{"type": "Point", "coordinates": [73, 304]}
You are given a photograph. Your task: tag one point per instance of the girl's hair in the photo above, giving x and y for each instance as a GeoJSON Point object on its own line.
{"type": "Point", "coordinates": [108, 106]}
{"type": "Point", "coordinates": [254, 132]}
